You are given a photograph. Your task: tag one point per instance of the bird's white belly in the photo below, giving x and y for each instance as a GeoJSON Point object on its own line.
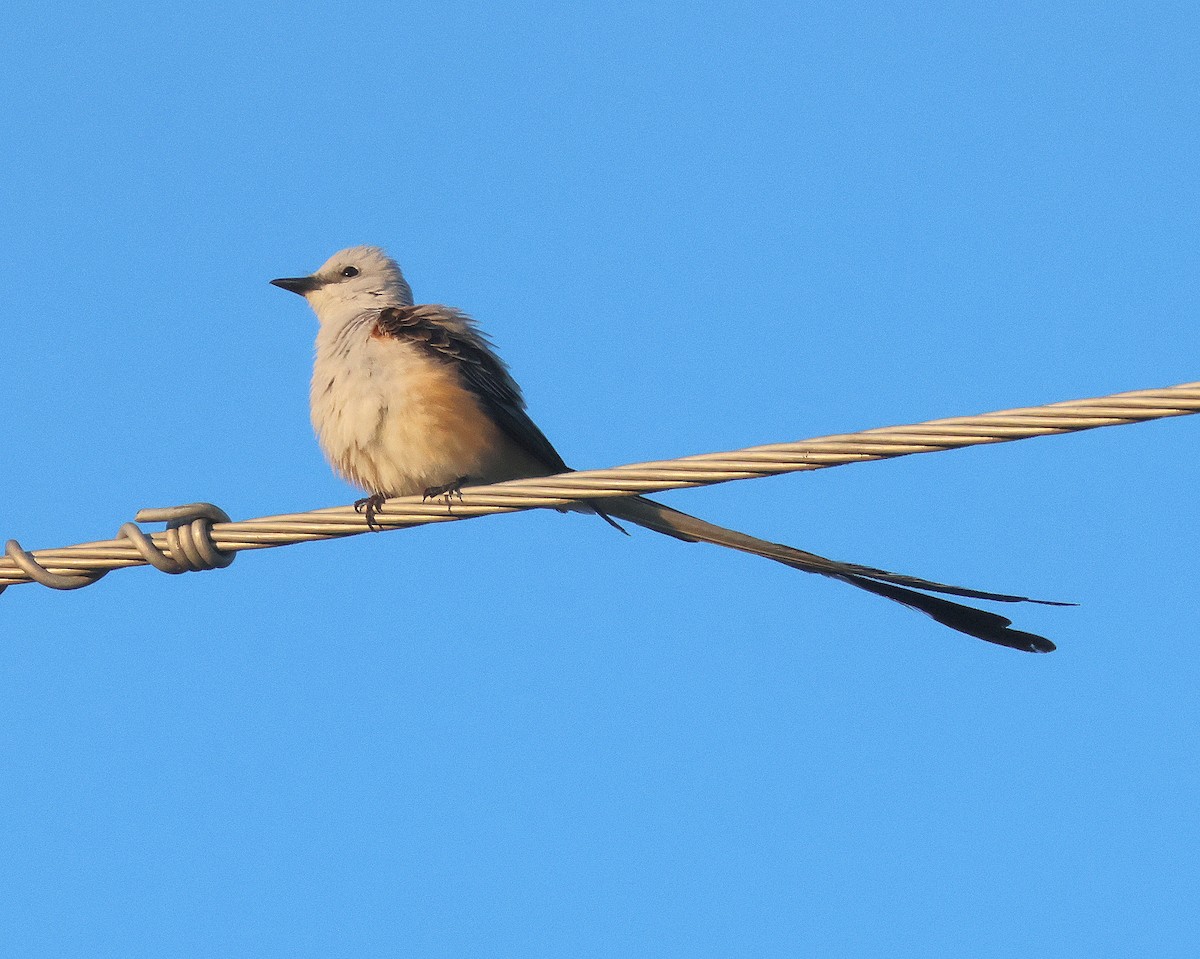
{"type": "Point", "coordinates": [393, 420]}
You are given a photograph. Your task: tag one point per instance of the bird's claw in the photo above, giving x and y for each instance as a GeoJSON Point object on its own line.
{"type": "Point", "coordinates": [370, 506]}
{"type": "Point", "coordinates": [448, 491]}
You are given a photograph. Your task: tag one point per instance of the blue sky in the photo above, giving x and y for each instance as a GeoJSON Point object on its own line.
{"type": "Point", "coordinates": [687, 231]}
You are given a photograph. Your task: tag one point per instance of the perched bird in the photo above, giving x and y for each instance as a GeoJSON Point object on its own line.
{"type": "Point", "coordinates": [413, 400]}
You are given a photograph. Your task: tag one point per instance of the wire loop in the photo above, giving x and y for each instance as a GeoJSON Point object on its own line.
{"type": "Point", "coordinates": [39, 574]}
{"type": "Point", "coordinates": [189, 538]}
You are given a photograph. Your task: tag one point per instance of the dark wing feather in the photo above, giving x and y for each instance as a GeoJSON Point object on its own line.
{"type": "Point", "coordinates": [452, 335]}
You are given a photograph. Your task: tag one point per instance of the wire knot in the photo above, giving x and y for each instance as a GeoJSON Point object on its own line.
{"type": "Point", "coordinates": [189, 538]}
{"type": "Point", "coordinates": [190, 546]}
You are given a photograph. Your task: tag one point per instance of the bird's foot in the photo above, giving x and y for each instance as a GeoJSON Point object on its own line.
{"type": "Point", "coordinates": [447, 491]}
{"type": "Point", "coordinates": [370, 506]}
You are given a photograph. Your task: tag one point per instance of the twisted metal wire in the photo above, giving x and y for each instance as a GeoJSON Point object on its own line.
{"type": "Point", "coordinates": [200, 536]}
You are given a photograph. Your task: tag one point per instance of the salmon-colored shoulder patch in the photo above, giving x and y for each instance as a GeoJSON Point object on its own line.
{"type": "Point", "coordinates": [378, 332]}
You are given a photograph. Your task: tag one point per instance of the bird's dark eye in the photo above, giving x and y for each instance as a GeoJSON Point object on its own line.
{"type": "Point", "coordinates": [350, 271]}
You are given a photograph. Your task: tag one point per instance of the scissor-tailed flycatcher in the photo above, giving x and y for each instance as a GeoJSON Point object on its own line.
{"type": "Point", "coordinates": [412, 399]}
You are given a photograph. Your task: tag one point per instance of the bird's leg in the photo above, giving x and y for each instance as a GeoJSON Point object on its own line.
{"type": "Point", "coordinates": [447, 491]}
{"type": "Point", "coordinates": [370, 505]}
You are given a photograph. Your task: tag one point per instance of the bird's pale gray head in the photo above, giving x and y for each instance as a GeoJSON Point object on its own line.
{"type": "Point", "coordinates": [352, 280]}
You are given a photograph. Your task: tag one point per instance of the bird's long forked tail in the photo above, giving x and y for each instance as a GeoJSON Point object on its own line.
{"type": "Point", "coordinates": [894, 586]}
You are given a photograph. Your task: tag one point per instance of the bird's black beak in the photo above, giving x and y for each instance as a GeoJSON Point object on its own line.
{"type": "Point", "coordinates": [302, 285]}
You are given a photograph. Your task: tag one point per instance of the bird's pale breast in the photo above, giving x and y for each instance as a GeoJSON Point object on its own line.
{"type": "Point", "coordinates": [394, 420]}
